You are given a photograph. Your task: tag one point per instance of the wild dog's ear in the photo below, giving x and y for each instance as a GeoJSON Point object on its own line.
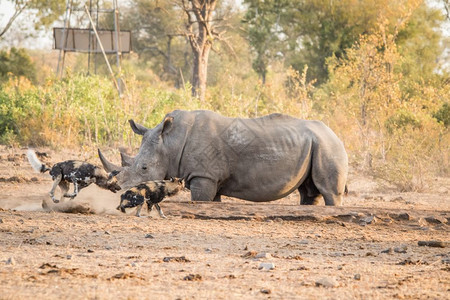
{"type": "Point", "coordinates": [171, 179]}
{"type": "Point", "coordinates": [167, 125]}
{"type": "Point", "coordinates": [138, 129]}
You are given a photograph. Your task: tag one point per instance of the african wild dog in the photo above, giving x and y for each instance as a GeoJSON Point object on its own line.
{"type": "Point", "coordinates": [80, 173]}
{"type": "Point", "coordinates": [152, 192]}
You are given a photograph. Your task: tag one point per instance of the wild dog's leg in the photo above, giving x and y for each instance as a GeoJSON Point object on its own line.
{"type": "Point", "coordinates": [75, 188]}
{"type": "Point", "coordinates": [138, 211]}
{"type": "Point", "coordinates": [55, 184]}
{"type": "Point", "coordinates": [64, 186]}
{"type": "Point", "coordinates": [149, 206]}
{"type": "Point", "coordinates": [158, 208]}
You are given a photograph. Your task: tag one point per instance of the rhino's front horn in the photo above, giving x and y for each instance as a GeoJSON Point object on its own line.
{"type": "Point", "coordinates": [109, 167]}
{"type": "Point", "coordinates": [126, 159]}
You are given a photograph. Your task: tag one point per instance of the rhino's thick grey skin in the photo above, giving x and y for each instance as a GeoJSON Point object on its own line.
{"type": "Point", "coordinates": [261, 159]}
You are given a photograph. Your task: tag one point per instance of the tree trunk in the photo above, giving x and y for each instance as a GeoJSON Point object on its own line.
{"type": "Point", "coordinates": [199, 13]}
{"type": "Point", "coordinates": [200, 72]}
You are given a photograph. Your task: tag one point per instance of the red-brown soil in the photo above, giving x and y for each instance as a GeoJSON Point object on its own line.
{"type": "Point", "coordinates": [85, 249]}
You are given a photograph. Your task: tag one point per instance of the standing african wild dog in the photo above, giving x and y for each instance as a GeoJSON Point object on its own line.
{"type": "Point", "coordinates": [152, 192]}
{"type": "Point", "coordinates": [80, 173]}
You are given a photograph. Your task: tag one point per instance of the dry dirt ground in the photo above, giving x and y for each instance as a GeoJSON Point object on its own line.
{"type": "Point", "coordinates": [85, 249]}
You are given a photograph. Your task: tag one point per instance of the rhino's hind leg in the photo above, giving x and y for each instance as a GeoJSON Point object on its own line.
{"type": "Point", "coordinates": [202, 189]}
{"type": "Point", "coordinates": [309, 194]}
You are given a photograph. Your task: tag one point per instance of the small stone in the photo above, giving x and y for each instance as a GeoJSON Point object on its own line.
{"type": "Point", "coordinates": [193, 277]}
{"type": "Point", "coordinates": [304, 242]}
{"type": "Point", "coordinates": [266, 291]}
{"type": "Point", "coordinates": [367, 220]}
{"type": "Point", "coordinates": [266, 266]}
{"type": "Point", "coordinates": [437, 244]}
{"type": "Point", "coordinates": [11, 261]}
{"type": "Point", "coordinates": [149, 236]}
{"type": "Point", "coordinates": [436, 220]}
{"type": "Point", "coordinates": [357, 277]}
{"type": "Point", "coordinates": [90, 251]}
{"type": "Point", "coordinates": [401, 249]}
{"type": "Point", "coordinates": [388, 251]}
{"type": "Point", "coordinates": [108, 247]}
{"type": "Point", "coordinates": [263, 255]}
{"type": "Point", "coordinates": [1, 221]}
{"type": "Point", "coordinates": [208, 250]}
{"type": "Point", "coordinates": [107, 232]}
{"type": "Point", "coordinates": [327, 282]}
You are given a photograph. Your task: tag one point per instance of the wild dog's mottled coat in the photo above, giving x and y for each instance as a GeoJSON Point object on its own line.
{"type": "Point", "coordinates": [152, 192]}
{"type": "Point", "coordinates": [80, 173]}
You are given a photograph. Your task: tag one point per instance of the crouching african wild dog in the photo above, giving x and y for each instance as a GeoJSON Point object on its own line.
{"type": "Point", "coordinates": [80, 173]}
{"type": "Point", "coordinates": [152, 192]}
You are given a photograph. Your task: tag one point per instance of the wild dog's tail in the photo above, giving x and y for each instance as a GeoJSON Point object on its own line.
{"type": "Point", "coordinates": [35, 162]}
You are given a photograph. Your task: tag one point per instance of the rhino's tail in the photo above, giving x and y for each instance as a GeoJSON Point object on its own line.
{"type": "Point", "coordinates": [346, 190]}
{"type": "Point", "coordinates": [35, 162]}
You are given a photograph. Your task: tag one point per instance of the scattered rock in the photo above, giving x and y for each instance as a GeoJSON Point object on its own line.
{"type": "Point", "coordinates": [401, 249]}
{"type": "Point", "coordinates": [327, 282]}
{"type": "Point", "coordinates": [1, 221]}
{"type": "Point", "coordinates": [370, 254]}
{"type": "Point", "coordinates": [108, 247]}
{"type": "Point", "coordinates": [149, 236]}
{"type": "Point", "coordinates": [208, 250]}
{"type": "Point", "coordinates": [304, 242]}
{"type": "Point", "coordinates": [263, 255]}
{"type": "Point", "coordinates": [437, 244]}
{"type": "Point", "coordinates": [436, 220]}
{"type": "Point", "coordinates": [388, 251]}
{"type": "Point", "coordinates": [193, 277]}
{"type": "Point", "coordinates": [47, 265]}
{"type": "Point", "coordinates": [266, 266]}
{"type": "Point", "coordinates": [175, 259]}
{"type": "Point", "coordinates": [11, 261]}
{"type": "Point", "coordinates": [357, 276]}
{"type": "Point", "coordinates": [125, 276]}
{"type": "Point", "coordinates": [367, 220]}
{"type": "Point", "coordinates": [409, 262]}
{"type": "Point", "coordinates": [266, 291]}
{"type": "Point", "coordinates": [90, 251]}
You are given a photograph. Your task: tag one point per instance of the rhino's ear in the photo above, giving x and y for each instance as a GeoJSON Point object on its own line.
{"type": "Point", "coordinates": [138, 129]}
{"type": "Point", "coordinates": [167, 125]}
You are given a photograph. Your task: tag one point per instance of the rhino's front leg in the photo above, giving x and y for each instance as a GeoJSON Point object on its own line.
{"type": "Point", "coordinates": [202, 189]}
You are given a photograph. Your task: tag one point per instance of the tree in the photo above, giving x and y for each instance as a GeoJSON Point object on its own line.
{"type": "Point", "coordinates": [157, 37]}
{"type": "Point", "coordinates": [307, 32]}
{"type": "Point", "coordinates": [46, 11]}
{"type": "Point", "coordinates": [18, 63]}
{"type": "Point", "coordinates": [262, 25]}
{"type": "Point", "coordinates": [201, 32]}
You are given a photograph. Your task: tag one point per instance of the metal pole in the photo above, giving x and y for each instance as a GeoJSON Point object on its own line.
{"type": "Point", "coordinates": [89, 42]}
{"type": "Point", "coordinates": [63, 38]}
{"type": "Point", "coordinates": [118, 46]}
{"type": "Point", "coordinates": [101, 47]}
